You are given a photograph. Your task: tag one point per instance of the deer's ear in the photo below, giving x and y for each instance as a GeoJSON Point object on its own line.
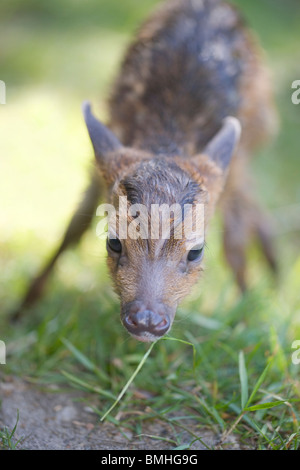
{"type": "Point", "coordinates": [212, 163]}
{"type": "Point", "coordinates": [103, 140]}
{"type": "Point", "coordinates": [111, 156]}
{"type": "Point", "coordinates": [221, 147]}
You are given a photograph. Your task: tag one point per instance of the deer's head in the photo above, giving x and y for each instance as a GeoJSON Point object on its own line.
{"type": "Point", "coordinates": [156, 244]}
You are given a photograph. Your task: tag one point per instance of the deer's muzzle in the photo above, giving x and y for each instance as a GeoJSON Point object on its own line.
{"type": "Point", "coordinates": [146, 323]}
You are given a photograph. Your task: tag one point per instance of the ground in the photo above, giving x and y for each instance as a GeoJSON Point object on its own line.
{"type": "Point", "coordinates": [49, 419]}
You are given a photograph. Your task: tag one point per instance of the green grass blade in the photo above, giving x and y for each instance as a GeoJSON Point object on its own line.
{"type": "Point", "coordinates": [212, 411]}
{"type": "Point", "coordinates": [265, 406]}
{"type": "Point", "coordinates": [170, 338]}
{"type": "Point", "coordinates": [258, 384]}
{"type": "Point", "coordinates": [124, 390]}
{"type": "Point", "coordinates": [86, 385]}
{"type": "Point", "coordinates": [243, 379]}
{"type": "Point", "coordinates": [15, 426]}
{"type": "Point", "coordinates": [85, 361]}
{"type": "Point", "coordinates": [270, 404]}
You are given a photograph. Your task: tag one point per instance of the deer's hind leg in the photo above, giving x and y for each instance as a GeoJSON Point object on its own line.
{"type": "Point", "coordinates": [244, 220]}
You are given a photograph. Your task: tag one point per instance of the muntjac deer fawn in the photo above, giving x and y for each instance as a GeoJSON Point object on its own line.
{"type": "Point", "coordinates": [190, 106]}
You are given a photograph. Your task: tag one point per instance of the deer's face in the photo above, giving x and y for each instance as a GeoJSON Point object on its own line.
{"type": "Point", "coordinates": [156, 245]}
{"type": "Point", "coordinates": [156, 262]}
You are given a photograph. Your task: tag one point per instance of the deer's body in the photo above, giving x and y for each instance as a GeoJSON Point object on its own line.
{"type": "Point", "coordinates": [193, 63]}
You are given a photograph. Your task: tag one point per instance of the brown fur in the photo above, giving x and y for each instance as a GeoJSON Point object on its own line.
{"type": "Point", "coordinates": [192, 63]}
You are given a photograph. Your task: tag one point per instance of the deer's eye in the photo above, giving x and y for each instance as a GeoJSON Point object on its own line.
{"type": "Point", "coordinates": [196, 253]}
{"type": "Point", "coordinates": [114, 244]}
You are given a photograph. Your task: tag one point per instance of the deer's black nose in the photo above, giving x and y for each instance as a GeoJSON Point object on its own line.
{"type": "Point", "coordinates": [144, 323]}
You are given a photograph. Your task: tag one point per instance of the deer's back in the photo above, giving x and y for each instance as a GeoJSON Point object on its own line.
{"type": "Point", "coordinates": [183, 74]}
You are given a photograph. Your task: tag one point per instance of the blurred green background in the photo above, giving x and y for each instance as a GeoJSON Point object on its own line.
{"type": "Point", "coordinates": [54, 55]}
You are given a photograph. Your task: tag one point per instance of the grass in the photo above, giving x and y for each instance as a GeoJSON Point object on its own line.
{"type": "Point", "coordinates": [240, 378]}
{"type": "Point", "coordinates": [7, 440]}
{"type": "Point", "coordinates": [230, 368]}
